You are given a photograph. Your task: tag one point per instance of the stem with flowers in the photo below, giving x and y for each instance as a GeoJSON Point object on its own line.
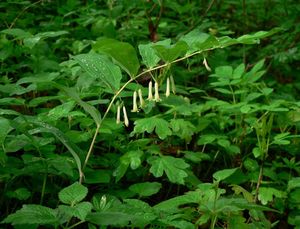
{"type": "Point", "coordinates": [118, 93]}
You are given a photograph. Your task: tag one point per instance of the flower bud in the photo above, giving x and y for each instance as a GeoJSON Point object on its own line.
{"type": "Point", "coordinates": [135, 108]}
{"type": "Point", "coordinates": [168, 87]}
{"type": "Point", "coordinates": [156, 95]}
{"type": "Point", "coordinates": [126, 121]}
{"type": "Point", "coordinates": [118, 114]}
{"type": "Point", "coordinates": [150, 95]}
{"type": "Point", "coordinates": [173, 85]}
{"type": "Point", "coordinates": [142, 103]}
{"type": "Point", "coordinates": [206, 65]}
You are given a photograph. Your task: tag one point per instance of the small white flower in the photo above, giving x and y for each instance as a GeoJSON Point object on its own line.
{"type": "Point", "coordinates": [173, 84]}
{"type": "Point", "coordinates": [156, 95]}
{"type": "Point", "coordinates": [135, 107]}
{"type": "Point", "coordinates": [206, 65]}
{"type": "Point", "coordinates": [150, 95]}
{"type": "Point", "coordinates": [168, 87]}
{"type": "Point", "coordinates": [118, 114]}
{"type": "Point", "coordinates": [126, 121]}
{"type": "Point", "coordinates": [142, 103]}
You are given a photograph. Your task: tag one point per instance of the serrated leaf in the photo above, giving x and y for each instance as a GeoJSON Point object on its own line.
{"type": "Point", "coordinates": [223, 174]}
{"type": "Point", "coordinates": [73, 194]}
{"type": "Point", "coordinates": [123, 53]}
{"type": "Point", "coordinates": [159, 125]}
{"type": "Point", "coordinates": [33, 214]}
{"type": "Point", "coordinates": [146, 188]}
{"type": "Point", "coordinates": [173, 167]}
{"type": "Point", "coordinates": [79, 211]}
{"type": "Point", "coordinates": [100, 67]}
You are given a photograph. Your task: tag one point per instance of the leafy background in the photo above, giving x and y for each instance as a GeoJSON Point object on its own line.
{"type": "Point", "coordinates": [220, 152]}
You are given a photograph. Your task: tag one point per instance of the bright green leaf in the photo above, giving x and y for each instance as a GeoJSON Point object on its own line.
{"type": "Point", "coordinates": [173, 167]}
{"type": "Point", "coordinates": [100, 67]}
{"type": "Point", "coordinates": [150, 59]}
{"type": "Point", "coordinates": [73, 194]}
{"type": "Point", "coordinates": [159, 125]}
{"type": "Point", "coordinates": [223, 174]}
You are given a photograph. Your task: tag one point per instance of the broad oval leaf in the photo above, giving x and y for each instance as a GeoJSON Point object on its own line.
{"type": "Point", "coordinates": [168, 53]}
{"type": "Point", "coordinates": [123, 53]}
{"type": "Point", "coordinates": [100, 67]}
{"type": "Point", "coordinates": [146, 188]}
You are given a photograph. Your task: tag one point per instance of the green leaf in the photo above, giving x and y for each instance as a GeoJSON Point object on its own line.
{"type": "Point", "coordinates": [18, 33]}
{"type": "Point", "coordinates": [79, 211]}
{"type": "Point", "coordinates": [95, 114]}
{"type": "Point", "coordinates": [265, 194]}
{"type": "Point", "coordinates": [33, 40]}
{"type": "Point", "coordinates": [184, 129]}
{"type": "Point", "coordinates": [160, 126]}
{"type": "Point", "coordinates": [109, 218]}
{"type": "Point", "coordinates": [173, 167]}
{"type": "Point", "coordinates": [121, 52]}
{"type": "Point", "coordinates": [5, 128]}
{"type": "Point", "coordinates": [20, 194]}
{"type": "Point", "coordinates": [294, 183]}
{"type": "Point", "coordinates": [146, 188]}
{"type": "Point", "coordinates": [74, 149]}
{"type": "Point", "coordinates": [73, 194]}
{"type": "Point", "coordinates": [168, 53]}
{"type": "Point", "coordinates": [132, 158]}
{"type": "Point", "coordinates": [279, 139]}
{"type": "Point", "coordinates": [257, 152]}
{"type": "Point", "coordinates": [97, 176]}
{"type": "Point", "coordinates": [223, 174]}
{"type": "Point", "coordinates": [238, 71]}
{"type": "Point", "coordinates": [238, 189]}
{"type": "Point", "coordinates": [33, 214]}
{"type": "Point", "coordinates": [100, 67]}
{"type": "Point", "coordinates": [150, 59]}
{"type": "Point", "coordinates": [61, 111]}
{"type": "Point", "coordinates": [172, 205]}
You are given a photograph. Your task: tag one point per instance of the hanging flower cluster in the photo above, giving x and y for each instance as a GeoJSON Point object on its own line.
{"type": "Point", "coordinates": [170, 85]}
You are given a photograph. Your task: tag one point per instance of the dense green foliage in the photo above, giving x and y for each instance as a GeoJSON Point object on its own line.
{"type": "Point", "coordinates": [149, 113]}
